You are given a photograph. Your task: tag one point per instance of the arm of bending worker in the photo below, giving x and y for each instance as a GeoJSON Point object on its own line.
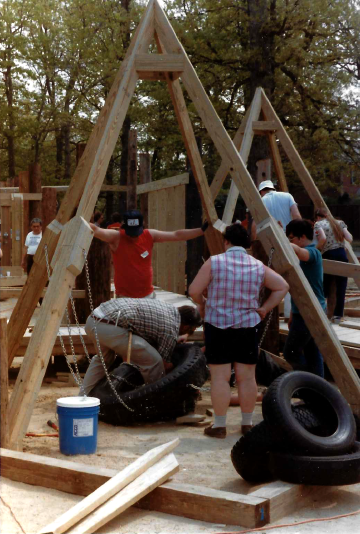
{"type": "Point", "coordinates": [199, 284]}
{"type": "Point", "coordinates": [179, 235]}
{"type": "Point", "coordinates": [112, 237]}
{"type": "Point", "coordinates": [278, 286]}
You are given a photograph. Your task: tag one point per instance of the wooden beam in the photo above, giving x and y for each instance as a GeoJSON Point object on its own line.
{"type": "Point", "coordinates": [339, 268]}
{"type": "Point", "coordinates": [264, 126]}
{"type": "Point", "coordinates": [279, 170]}
{"type": "Point", "coordinates": [352, 302]}
{"type": "Point", "coordinates": [88, 176]}
{"type": "Point", "coordinates": [131, 203]}
{"type": "Point", "coordinates": [16, 270]}
{"type": "Point", "coordinates": [109, 488]}
{"type": "Point", "coordinates": [223, 170]}
{"type": "Point", "coordinates": [152, 76]}
{"type": "Point", "coordinates": [159, 62]}
{"type": "Point", "coordinates": [11, 281]}
{"type": "Point", "coordinates": [17, 228]}
{"type": "Point", "coordinates": [213, 238]}
{"type": "Point", "coordinates": [4, 384]}
{"type": "Point", "coordinates": [173, 181]}
{"type": "Point", "coordinates": [115, 188]}
{"type": "Point", "coordinates": [352, 312]}
{"type": "Point", "coordinates": [211, 120]}
{"type": "Point", "coordinates": [5, 234]}
{"type": "Point", "coordinates": [14, 293]}
{"type": "Point", "coordinates": [67, 263]}
{"type": "Point", "coordinates": [197, 502]}
{"type": "Point", "coordinates": [247, 140]}
{"type": "Point", "coordinates": [145, 178]}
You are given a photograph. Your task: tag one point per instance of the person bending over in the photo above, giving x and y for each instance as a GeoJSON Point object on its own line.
{"type": "Point", "coordinates": [156, 327]}
{"type": "Point", "coordinates": [232, 313]}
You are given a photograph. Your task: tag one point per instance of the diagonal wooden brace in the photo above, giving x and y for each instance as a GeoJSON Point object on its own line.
{"type": "Point", "coordinates": [76, 237]}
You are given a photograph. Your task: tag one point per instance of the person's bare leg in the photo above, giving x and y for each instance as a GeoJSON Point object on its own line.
{"type": "Point", "coordinates": [247, 388]}
{"type": "Point", "coordinates": [220, 388]}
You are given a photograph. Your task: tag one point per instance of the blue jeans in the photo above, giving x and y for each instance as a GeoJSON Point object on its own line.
{"type": "Point", "coordinates": [300, 349]}
{"type": "Point", "coordinates": [337, 254]}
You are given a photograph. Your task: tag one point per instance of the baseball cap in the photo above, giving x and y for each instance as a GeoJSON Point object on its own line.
{"type": "Point", "coordinates": [133, 223]}
{"type": "Point", "coordinates": [267, 184]}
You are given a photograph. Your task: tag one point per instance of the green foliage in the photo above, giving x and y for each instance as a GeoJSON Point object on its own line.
{"type": "Point", "coordinates": [61, 57]}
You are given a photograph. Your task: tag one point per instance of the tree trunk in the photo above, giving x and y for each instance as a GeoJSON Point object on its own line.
{"type": "Point", "coordinates": [131, 203]}
{"type": "Point", "coordinates": [49, 205]}
{"type": "Point", "coordinates": [109, 179]}
{"type": "Point", "coordinates": [35, 187]}
{"type": "Point", "coordinates": [124, 160]}
{"type": "Point", "coordinates": [145, 178]}
{"type": "Point", "coordinates": [11, 120]}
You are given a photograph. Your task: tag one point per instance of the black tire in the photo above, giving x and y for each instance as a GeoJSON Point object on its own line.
{"type": "Point", "coordinates": [326, 402]}
{"type": "Point", "coordinates": [165, 399]}
{"type": "Point", "coordinates": [317, 470]}
{"type": "Point", "coordinates": [250, 455]}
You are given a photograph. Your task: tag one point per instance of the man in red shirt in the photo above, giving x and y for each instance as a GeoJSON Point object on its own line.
{"type": "Point", "coordinates": [131, 248]}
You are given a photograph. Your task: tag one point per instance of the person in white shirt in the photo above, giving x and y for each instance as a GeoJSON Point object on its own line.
{"type": "Point", "coordinates": [32, 242]}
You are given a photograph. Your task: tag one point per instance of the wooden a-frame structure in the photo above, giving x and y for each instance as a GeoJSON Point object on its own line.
{"type": "Point", "coordinates": [69, 235]}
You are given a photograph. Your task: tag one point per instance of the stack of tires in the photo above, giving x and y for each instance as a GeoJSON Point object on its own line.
{"type": "Point", "coordinates": [312, 442]}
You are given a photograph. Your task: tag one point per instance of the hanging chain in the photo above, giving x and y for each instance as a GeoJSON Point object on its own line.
{"type": "Point", "coordinates": [99, 351]}
{"type": "Point", "coordinates": [271, 311]}
{"type": "Point", "coordinates": [75, 374]}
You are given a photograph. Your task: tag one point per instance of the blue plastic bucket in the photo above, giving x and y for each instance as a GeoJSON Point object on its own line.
{"type": "Point", "coordinates": [78, 424]}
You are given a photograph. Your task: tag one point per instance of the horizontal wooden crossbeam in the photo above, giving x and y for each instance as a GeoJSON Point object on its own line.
{"type": "Point", "coordinates": [264, 126]}
{"type": "Point", "coordinates": [159, 62]}
{"type": "Point", "coordinates": [339, 268]}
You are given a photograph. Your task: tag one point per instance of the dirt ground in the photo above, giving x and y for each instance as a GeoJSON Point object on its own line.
{"type": "Point", "coordinates": [203, 461]}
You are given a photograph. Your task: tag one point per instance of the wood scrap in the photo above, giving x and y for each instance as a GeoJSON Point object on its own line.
{"type": "Point", "coordinates": [109, 488]}
{"type": "Point", "coordinates": [190, 419]}
{"type": "Point", "coordinates": [209, 411]}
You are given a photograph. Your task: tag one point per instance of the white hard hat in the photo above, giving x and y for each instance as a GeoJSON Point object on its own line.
{"type": "Point", "coordinates": [267, 184]}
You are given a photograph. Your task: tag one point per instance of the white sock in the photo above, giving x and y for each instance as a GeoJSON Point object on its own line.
{"type": "Point", "coordinates": [219, 420]}
{"type": "Point", "coordinates": [246, 418]}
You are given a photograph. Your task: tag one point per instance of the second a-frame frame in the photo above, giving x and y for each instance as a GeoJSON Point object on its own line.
{"type": "Point", "coordinates": [68, 237]}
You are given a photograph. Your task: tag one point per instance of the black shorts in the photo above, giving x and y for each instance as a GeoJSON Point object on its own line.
{"type": "Point", "coordinates": [231, 345]}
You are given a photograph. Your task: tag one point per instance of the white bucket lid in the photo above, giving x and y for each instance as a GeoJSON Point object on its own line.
{"type": "Point", "coordinates": [78, 402]}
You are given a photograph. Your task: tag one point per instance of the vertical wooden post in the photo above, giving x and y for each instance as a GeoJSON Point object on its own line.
{"type": "Point", "coordinates": [132, 172]}
{"type": "Point", "coordinates": [48, 206]}
{"type": "Point", "coordinates": [35, 187]}
{"type": "Point", "coordinates": [24, 187]}
{"type": "Point", "coordinates": [4, 382]}
{"type": "Point", "coordinates": [17, 228]}
{"type": "Point", "coordinates": [5, 234]}
{"type": "Point", "coordinates": [145, 177]}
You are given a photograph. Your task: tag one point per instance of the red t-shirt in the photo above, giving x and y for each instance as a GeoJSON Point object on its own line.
{"type": "Point", "coordinates": [132, 264]}
{"type": "Point", "coordinates": [114, 225]}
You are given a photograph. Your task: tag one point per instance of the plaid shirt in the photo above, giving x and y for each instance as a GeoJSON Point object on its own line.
{"type": "Point", "coordinates": [155, 321]}
{"type": "Point", "coordinates": [233, 293]}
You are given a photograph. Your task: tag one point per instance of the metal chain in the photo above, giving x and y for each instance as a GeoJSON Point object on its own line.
{"type": "Point", "coordinates": [100, 354]}
{"type": "Point", "coordinates": [76, 375]}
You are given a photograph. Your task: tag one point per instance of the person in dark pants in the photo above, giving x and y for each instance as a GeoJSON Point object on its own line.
{"type": "Point", "coordinates": [300, 348]}
{"type": "Point", "coordinates": [32, 242]}
{"type": "Point", "coordinates": [336, 233]}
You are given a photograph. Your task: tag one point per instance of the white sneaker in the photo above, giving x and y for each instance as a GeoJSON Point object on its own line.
{"type": "Point", "coordinates": [336, 319]}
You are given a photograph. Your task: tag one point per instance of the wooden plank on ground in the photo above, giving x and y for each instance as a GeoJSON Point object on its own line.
{"type": "Point", "coordinates": [109, 488]}
{"type": "Point", "coordinates": [353, 302]}
{"type": "Point", "coordinates": [285, 498]}
{"type": "Point", "coordinates": [206, 504]}
{"type": "Point", "coordinates": [196, 502]}
{"type": "Point", "coordinates": [154, 476]}
{"type": "Point", "coordinates": [16, 270]}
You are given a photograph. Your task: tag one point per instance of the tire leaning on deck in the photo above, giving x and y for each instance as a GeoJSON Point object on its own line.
{"type": "Point", "coordinates": [168, 398]}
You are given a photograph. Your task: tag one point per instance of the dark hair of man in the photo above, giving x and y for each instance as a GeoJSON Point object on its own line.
{"type": "Point", "coordinates": [300, 227]}
{"type": "Point", "coordinates": [237, 235]}
{"type": "Point", "coordinates": [116, 217]}
{"type": "Point", "coordinates": [97, 215]}
{"type": "Point", "coordinates": [190, 316]}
